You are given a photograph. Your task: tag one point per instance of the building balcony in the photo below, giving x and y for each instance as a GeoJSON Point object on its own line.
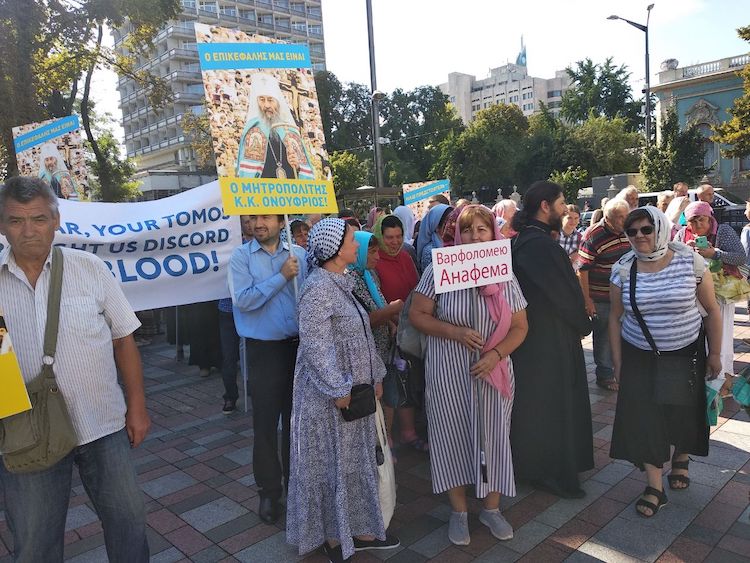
{"type": "Point", "coordinates": [725, 65]}
{"type": "Point", "coordinates": [166, 122]}
{"type": "Point", "coordinates": [189, 97]}
{"type": "Point", "coordinates": [180, 139]}
{"type": "Point", "coordinates": [178, 31]}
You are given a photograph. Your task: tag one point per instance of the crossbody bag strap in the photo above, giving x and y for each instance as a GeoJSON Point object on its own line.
{"type": "Point", "coordinates": [53, 310]}
{"type": "Point", "coordinates": [636, 311]}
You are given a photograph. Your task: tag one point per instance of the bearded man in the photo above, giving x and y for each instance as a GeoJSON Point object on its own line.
{"type": "Point", "coordinates": [271, 145]}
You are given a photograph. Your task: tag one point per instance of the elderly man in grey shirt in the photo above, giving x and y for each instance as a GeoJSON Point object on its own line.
{"type": "Point", "coordinates": [95, 339]}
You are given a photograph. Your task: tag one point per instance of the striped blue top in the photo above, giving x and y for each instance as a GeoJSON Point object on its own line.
{"type": "Point", "coordinates": [667, 301]}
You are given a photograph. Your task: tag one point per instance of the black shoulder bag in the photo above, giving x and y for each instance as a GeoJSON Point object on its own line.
{"type": "Point", "coordinates": [674, 380]}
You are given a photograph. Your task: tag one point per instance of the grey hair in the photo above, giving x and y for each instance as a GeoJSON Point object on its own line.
{"type": "Point", "coordinates": [23, 189]}
{"type": "Point", "coordinates": [613, 205]}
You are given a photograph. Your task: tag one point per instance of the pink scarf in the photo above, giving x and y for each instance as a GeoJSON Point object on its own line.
{"type": "Point", "coordinates": [500, 313]}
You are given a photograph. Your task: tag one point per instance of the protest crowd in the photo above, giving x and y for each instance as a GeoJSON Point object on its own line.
{"type": "Point", "coordinates": [352, 350]}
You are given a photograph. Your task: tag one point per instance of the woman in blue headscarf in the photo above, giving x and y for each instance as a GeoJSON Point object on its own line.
{"type": "Point", "coordinates": [430, 233]}
{"type": "Point", "coordinates": [367, 291]}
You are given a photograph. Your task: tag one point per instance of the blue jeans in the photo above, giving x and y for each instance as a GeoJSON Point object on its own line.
{"type": "Point", "coordinates": [36, 504]}
{"type": "Point", "coordinates": [602, 350]}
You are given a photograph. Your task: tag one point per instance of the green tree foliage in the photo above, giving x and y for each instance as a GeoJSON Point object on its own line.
{"type": "Point", "coordinates": [603, 145]}
{"type": "Point", "coordinates": [48, 46]}
{"type": "Point", "coordinates": [489, 152]}
{"type": "Point", "coordinates": [349, 171]}
{"type": "Point", "coordinates": [572, 179]}
{"type": "Point", "coordinates": [736, 131]}
{"type": "Point", "coordinates": [601, 89]}
{"type": "Point", "coordinates": [678, 157]}
{"type": "Point", "coordinates": [197, 130]}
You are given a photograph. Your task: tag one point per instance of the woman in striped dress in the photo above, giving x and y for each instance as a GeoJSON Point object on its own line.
{"type": "Point", "coordinates": [471, 333]}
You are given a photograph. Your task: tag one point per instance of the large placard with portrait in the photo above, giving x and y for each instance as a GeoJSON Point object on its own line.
{"type": "Point", "coordinates": [53, 150]}
{"type": "Point", "coordinates": [265, 123]}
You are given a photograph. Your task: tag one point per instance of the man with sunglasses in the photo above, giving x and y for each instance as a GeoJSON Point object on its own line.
{"type": "Point", "coordinates": [603, 244]}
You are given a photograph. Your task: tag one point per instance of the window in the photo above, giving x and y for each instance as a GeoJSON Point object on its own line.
{"type": "Point", "coordinates": [745, 163]}
{"type": "Point", "coordinates": [554, 93]}
{"type": "Point", "coordinates": [709, 147]}
{"type": "Point", "coordinates": [207, 6]}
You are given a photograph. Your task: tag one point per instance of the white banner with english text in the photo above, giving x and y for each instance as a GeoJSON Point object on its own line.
{"type": "Point", "coordinates": [471, 265]}
{"type": "Point", "coordinates": [167, 252]}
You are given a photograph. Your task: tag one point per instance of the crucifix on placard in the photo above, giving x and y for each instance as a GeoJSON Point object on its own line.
{"type": "Point", "coordinates": [292, 86]}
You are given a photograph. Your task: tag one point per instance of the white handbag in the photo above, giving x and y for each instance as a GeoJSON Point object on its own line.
{"type": "Point", "coordinates": [386, 473]}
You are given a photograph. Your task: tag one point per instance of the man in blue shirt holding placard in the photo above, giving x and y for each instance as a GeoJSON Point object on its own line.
{"type": "Point", "coordinates": [260, 283]}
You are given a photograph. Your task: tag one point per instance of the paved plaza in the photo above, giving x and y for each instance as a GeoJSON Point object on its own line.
{"type": "Point", "coordinates": [196, 472]}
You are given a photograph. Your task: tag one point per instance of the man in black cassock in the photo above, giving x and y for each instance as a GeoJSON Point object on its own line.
{"type": "Point", "coordinates": [551, 434]}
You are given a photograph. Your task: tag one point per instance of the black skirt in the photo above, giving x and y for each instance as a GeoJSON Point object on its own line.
{"type": "Point", "coordinates": [644, 430]}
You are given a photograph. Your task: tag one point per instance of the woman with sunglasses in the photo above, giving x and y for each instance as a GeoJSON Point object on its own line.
{"type": "Point", "coordinates": [653, 295]}
{"type": "Point", "coordinates": [722, 248]}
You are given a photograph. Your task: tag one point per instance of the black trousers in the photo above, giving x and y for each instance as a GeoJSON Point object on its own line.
{"type": "Point", "coordinates": [230, 355]}
{"type": "Point", "coordinates": [270, 381]}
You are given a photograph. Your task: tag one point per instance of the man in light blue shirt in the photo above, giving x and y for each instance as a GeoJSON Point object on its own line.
{"type": "Point", "coordinates": [265, 313]}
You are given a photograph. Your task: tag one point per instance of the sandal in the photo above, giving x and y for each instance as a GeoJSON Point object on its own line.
{"type": "Point", "coordinates": [609, 384]}
{"type": "Point", "coordinates": [419, 445]}
{"type": "Point", "coordinates": [654, 508]}
{"type": "Point", "coordinates": [682, 479]}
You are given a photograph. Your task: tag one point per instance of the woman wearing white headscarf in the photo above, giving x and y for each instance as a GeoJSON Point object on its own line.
{"type": "Point", "coordinates": [333, 484]}
{"type": "Point", "coordinates": [658, 407]}
{"type": "Point", "coordinates": [408, 220]}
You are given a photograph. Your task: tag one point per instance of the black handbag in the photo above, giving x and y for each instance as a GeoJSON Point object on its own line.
{"type": "Point", "coordinates": [674, 380]}
{"type": "Point", "coordinates": [362, 403]}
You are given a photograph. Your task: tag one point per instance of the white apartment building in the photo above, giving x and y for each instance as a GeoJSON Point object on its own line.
{"type": "Point", "coordinates": [165, 162]}
{"type": "Point", "coordinates": [508, 84]}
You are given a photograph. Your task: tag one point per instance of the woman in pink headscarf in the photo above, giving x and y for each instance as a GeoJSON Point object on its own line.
{"type": "Point", "coordinates": [723, 251]}
{"type": "Point", "coordinates": [470, 335]}
{"type": "Point", "coordinates": [504, 211]}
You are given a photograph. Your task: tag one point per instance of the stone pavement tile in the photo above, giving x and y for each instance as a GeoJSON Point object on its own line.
{"type": "Point", "coordinates": [711, 475]}
{"type": "Point", "coordinates": [565, 509]}
{"type": "Point", "coordinates": [572, 535]}
{"type": "Point", "coordinates": [718, 516]}
{"type": "Point", "coordinates": [728, 457]}
{"type": "Point", "coordinates": [168, 556]}
{"type": "Point", "coordinates": [740, 546]}
{"type": "Point", "coordinates": [167, 484]}
{"type": "Point", "coordinates": [273, 549]}
{"type": "Point", "coordinates": [188, 540]}
{"type": "Point", "coordinates": [730, 439]}
{"type": "Point", "coordinates": [93, 556]}
{"type": "Point", "coordinates": [696, 495]}
{"type": "Point", "coordinates": [416, 508]}
{"type": "Point", "coordinates": [719, 555]}
{"type": "Point", "coordinates": [735, 493]}
{"type": "Point", "coordinates": [453, 555]}
{"type": "Point", "coordinates": [685, 550]}
{"type": "Point", "coordinates": [613, 473]}
{"type": "Point", "coordinates": [547, 552]}
{"type": "Point", "coordinates": [433, 543]}
{"type": "Point", "coordinates": [672, 518]}
{"type": "Point", "coordinates": [171, 455]}
{"type": "Point", "coordinates": [164, 521]}
{"type": "Point", "coordinates": [232, 527]}
{"type": "Point", "coordinates": [79, 516]}
{"type": "Point", "coordinates": [702, 534]}
{"type": "Point", "coordinates": [601, 511]}
{"type": "Point", "coordinates": [213, 514]}
{"type": "Point", "coordinates": [242, 456]}
{"type": "Point", "coordinates": [89, 529]}
{"type": "Point", "coordinates": [499, 553]}
{"type": "Point", "coordinates": [626, 490]}
{"type": "Point", "coordinates": [70, 537]}
{"type": "Point", "coordinates": [194, 501]}
{"type": "Point", "coordinates": [580, 557]}
{"type": "Point", "coordinates": [442, 512]}
{"type": "Point", "coordinates": [218, 480]}
{"type": "Point", "coordinates": [221, 464]}
{"type": "Point", "coordinates": [414, 529]}
{"type": "Point", "coordinates": [156, 542]}
{"type": "Point", "coordinates": [235, 491]}
{"type": "Point", "coordinates": [406, 556]}
{"type": "Point", "coordinates": [201, 472]}
{"type": "Point", "coordinates": [741, 529]}
{"type": "Point", "coordinates": [251, 536]}
{"type": "Point", "coordinates": [633, 538]}
{"type": "Point", "coordinates": [737, 427]}
{"type": "Point", "coordinates": [595, 550]}
{"type": "Point", "coordinates": [209, 555]}
{"type": "Point", "coordinates": [82, 546]}
{"type": "Point", "coordinates": [528, 536]}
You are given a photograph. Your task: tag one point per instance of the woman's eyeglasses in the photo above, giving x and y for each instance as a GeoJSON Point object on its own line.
{"type": "Point", "coordinates": [645, 230]}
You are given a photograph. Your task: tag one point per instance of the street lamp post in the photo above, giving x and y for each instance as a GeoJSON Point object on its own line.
{"type": "Point", "coordinates": [375, 98]}
{"type": "Point", "coordinates": [644, 29]}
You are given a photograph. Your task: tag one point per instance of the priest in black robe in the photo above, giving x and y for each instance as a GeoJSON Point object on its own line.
{"type": "Point", "coordinates": [551, 434]}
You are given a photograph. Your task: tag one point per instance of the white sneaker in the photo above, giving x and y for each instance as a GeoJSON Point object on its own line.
{"type": "Point", "coordinates": [458, 528]}
{"type": "Point", "coordinates": [497, 524]}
